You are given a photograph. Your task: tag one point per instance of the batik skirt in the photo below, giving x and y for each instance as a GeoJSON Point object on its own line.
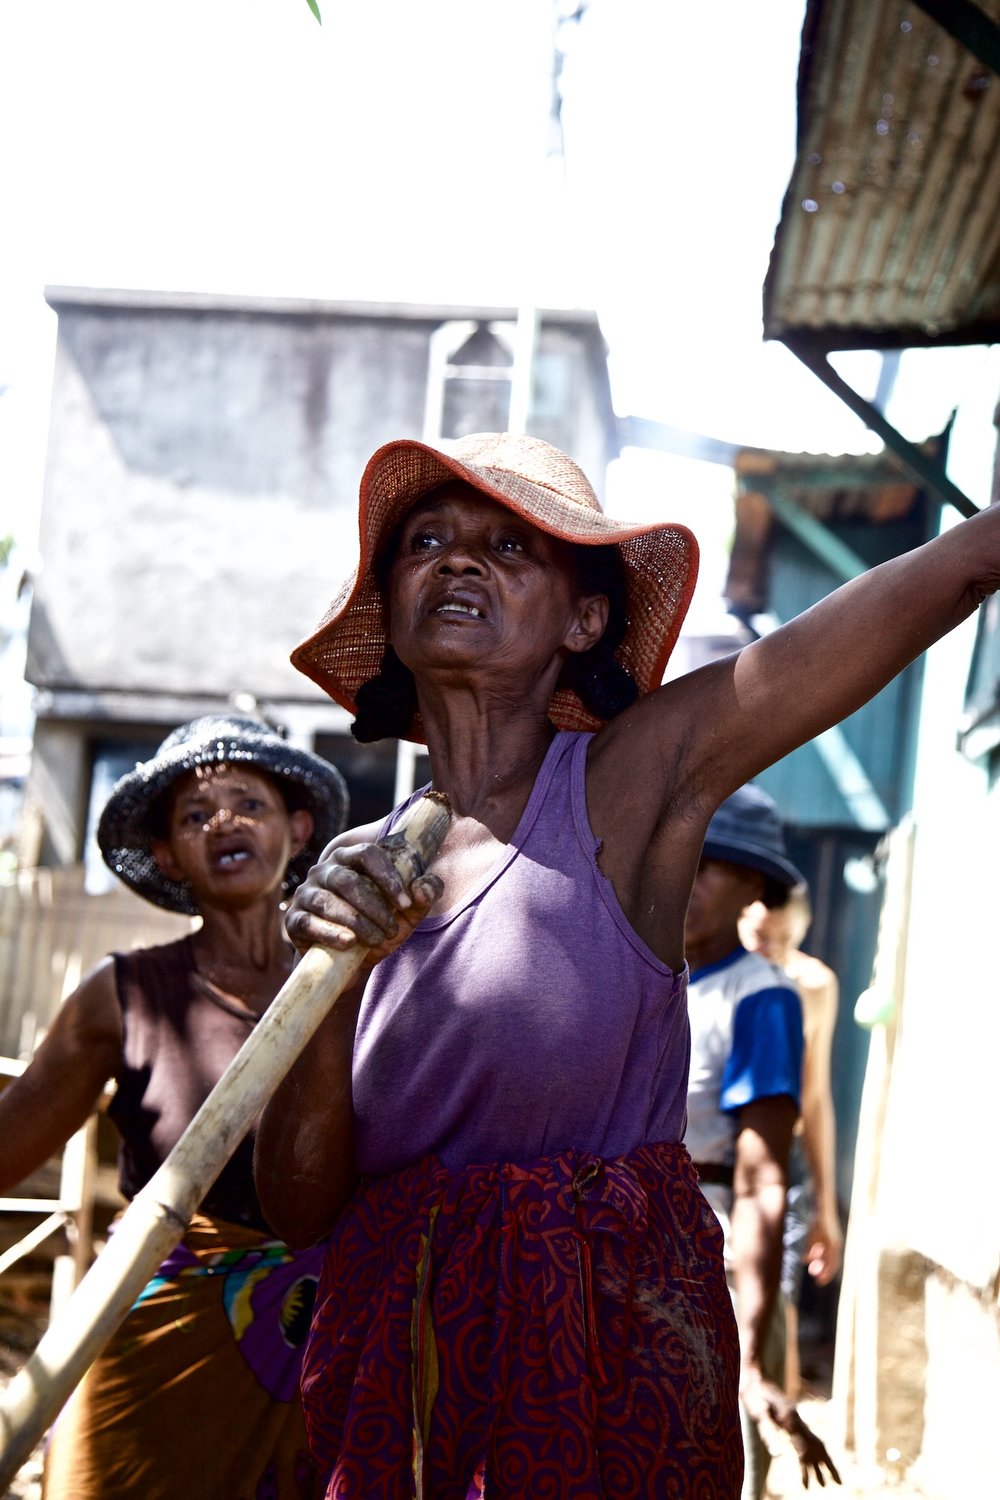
{"type": "Point", "coordinates": [559, 1330]}
{"type": "Point", "coordinates": [196, 1397]}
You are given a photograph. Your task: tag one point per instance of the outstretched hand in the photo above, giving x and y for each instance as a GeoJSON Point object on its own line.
{"type": "Point", "coordinates": [356, 895]}
{"type": "Point", "coordinates": [779, 1423]}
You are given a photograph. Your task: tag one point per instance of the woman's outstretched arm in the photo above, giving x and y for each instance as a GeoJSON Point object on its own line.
{"type": "Point", "coordinates": [813, 672]}
{"type": "Point", "coordinates": [657, 772]}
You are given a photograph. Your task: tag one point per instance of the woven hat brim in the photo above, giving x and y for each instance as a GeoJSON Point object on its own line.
{"type": "Point", "coordinates": [124, 835]}
{"type": "Point", "coordinates": [660, 561]}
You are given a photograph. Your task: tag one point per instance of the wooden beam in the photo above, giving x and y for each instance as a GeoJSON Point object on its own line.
{"type": "Point", "coordinates": [968, 24]}
{"type": "Point", "coordinates": [922, 470]}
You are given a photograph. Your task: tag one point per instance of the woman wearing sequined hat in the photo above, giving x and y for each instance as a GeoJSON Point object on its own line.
{"type": "Point", "coordinates": [197, 1392]}
{"type": "Point", "coordinates": [523, 1290]}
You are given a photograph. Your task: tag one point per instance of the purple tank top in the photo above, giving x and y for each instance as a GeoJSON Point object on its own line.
{"type": "Point", "coordinates": [530, 1019]}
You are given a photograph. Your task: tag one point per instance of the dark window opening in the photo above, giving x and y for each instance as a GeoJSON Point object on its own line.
{"type": "Point", "coordinates": [369, 770]}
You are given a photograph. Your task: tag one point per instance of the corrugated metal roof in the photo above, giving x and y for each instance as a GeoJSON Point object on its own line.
{"type": "Point", "coordinates": [890, 230]}
{"type": "Point", "coordinates": [833, 487]}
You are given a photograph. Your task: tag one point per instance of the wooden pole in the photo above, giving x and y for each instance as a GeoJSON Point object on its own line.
{"type": "Point", "coordinates": [158, 1216]}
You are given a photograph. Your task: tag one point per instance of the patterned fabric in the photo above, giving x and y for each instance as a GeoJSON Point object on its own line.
{"type": "Point", "coordinates": [218, 1330]}
{"type": "Point", "coordinates": [555, 1329]}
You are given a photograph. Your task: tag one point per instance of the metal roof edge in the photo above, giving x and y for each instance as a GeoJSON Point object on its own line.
{"type": "Point", "coordinates": [830, 340]}
{"type": "Point", "coordinates": [144, 300]}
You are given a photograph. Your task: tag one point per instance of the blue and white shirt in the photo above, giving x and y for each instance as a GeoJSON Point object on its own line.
{"type": "Point", "coordinates": [746, 1044]}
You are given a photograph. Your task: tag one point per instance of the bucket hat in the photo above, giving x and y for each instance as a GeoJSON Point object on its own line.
{"type": "Point", "coordinates": [546, 488]}
{"type": "Point", "coordinates": [745, 831]}
{"type": "Point", "coordinates": [126, 829]}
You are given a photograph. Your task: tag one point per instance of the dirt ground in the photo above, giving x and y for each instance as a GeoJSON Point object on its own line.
{"type": "Point", "coordinates": [784, 1482]}
{"type": "Point", "coordinates": [27, 1483]}
{"type": "Point", "coordinates": [23, 1320]}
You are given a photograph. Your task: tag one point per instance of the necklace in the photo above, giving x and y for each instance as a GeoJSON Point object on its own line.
{"type": "Point", "coordinates": [229, 979]}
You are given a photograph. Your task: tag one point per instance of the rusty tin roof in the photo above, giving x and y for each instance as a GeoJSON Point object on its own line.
{"type": "Point", "coordinates": [890, 230]}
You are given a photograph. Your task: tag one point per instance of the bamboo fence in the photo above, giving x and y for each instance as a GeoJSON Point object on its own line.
{"type": "Point", "coordinates": [51, 933]}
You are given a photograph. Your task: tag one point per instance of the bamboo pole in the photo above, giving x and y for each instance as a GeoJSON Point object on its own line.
{"type": "Point", "coordinates": [158, 1216]}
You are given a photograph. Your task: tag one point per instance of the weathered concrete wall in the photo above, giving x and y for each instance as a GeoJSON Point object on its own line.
{"type": "Point", "coordinates": [201, 492]}
{"type": "Point", "coordinates": [56, 802]}
{"type": "Point", "coordinates": [201, 488]}
{"type": "Point", "coordinates": [962, 1390]}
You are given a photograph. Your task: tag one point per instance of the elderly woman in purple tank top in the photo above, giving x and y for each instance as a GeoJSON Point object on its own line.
{"type": "Point", "coordinates": [197, 1393]}
{"type": "Point", "coordinates": [523, 1291]}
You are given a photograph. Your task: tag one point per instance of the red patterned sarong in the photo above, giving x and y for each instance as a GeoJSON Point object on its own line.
{"type": "Point", "coordinates": [559, 1330]}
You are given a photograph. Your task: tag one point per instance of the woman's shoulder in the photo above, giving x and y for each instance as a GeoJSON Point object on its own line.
{"type": "Point", "coordinates": [153, 979]}
{"type": "Point", "coordinates": [90, 1015]}
{"type": "Point", "coordinates": [176, 952]}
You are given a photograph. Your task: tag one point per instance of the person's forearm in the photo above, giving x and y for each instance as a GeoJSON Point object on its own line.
{"type": "Point", "coordinates": [819, 1144]}
{"type": "Point", "coordinates": [755, 1247]}
{"type": "Point", "coordinates": [793, 684]}
{"type": "Point", "coordinates": [898, 609]}
{"type": "Point", "coordinates": [819, 1131]}
{"type": "Point", "coordinates": [304, 1156]}
{"type": "Point", "coordinates": [760, 1182]}
{"type": "Point", "coordinates": [33, 1127]}
{"type": "Point", "coordinates": [50, 1101]}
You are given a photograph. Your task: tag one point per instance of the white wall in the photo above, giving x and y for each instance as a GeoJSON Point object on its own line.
{"type": "Point", "coordinates": [939, 1150]}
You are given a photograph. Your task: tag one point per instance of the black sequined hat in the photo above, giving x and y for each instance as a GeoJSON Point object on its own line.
{"type": "Point", "coordinates": [125, 834]}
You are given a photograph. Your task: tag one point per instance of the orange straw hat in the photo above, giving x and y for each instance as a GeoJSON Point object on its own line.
{"type": "Point", "coordinates": [547, 489]}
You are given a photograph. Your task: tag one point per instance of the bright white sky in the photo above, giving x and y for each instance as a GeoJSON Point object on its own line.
{"type": "Point", "coordinates": [398, 153]}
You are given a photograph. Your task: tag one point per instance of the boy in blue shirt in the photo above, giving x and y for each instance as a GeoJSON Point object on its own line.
{"type": "Point", "coordinates": [743, 1102]}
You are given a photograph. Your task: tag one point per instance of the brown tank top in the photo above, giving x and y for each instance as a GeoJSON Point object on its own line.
{"type": "Point", "coordinates": [180, 1035]}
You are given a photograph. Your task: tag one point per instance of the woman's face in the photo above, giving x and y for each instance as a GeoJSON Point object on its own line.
{"type": "Point", "coordinates": [230, 835]}
{"type": "Point", "coordinates": [471, 583]}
